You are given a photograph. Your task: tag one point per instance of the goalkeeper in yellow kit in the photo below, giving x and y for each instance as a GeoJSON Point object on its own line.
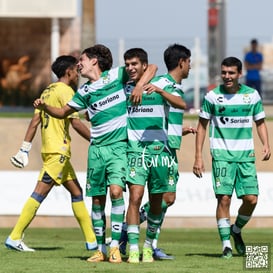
{"type": "Point", "coordinates": [56, 152]}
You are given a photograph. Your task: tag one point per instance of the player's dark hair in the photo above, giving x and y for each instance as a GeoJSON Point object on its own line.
{"type": "Point", "coordinates": [63, 62]}
{"type": "Point", "coordinates": [103, 55]}
{"type": "Point", "coordinates": [173, 54]}
{"type": "Point", "coordinates": [136, 52]}
{"type": "Point", "coordinates": [233, 61]}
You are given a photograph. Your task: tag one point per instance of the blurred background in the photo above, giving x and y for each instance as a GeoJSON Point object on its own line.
{"type": "Point", "coordinates": [33, 34]}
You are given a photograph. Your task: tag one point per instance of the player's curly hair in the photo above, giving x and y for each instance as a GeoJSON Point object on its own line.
{"type": "Point", "coordinates": [102, 53]}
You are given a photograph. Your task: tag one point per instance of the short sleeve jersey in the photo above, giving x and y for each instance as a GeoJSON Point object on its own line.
{"type": "Point", "coordinates": [231, 119]}
{"type": "Point", "coordinates": [148, 123]}
{"type": "Point", "coordinates": [105, 102]}
{"type": "Point", "coordinates": [54, 131]}
{"type": "Point", "coordinates": [175, 115]}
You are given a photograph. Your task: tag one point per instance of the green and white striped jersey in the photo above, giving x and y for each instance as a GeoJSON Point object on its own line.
{"type": "Point", "coordinates": [151, 125]}
{"type": "Point", "coordinates": [105, 102]}
{"type": "Point", "coordinates": [231, 121]}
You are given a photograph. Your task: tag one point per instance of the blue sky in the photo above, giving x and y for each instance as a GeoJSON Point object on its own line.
{"type": "Point", "coordinates": [157, 18]}
{"type": "Point", "coordinates": [154, 24]}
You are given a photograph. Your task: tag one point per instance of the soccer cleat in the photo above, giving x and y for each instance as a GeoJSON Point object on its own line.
{"type": "Point", "coordinates": [98, 256]}
{"type": "Point", "coordinates": [133, 257]}
{"type": "Point", "coordinates": [114, 256]}
{"type": "Point", "coordinates": [91, 246]}
{"type": "Point", "coordinates": [159, 254]}
{"type": "Point", "coordinates": [227, 253]}
{"type": "Point", "coordinates": [123, 239]}
{"type": "Point", "coordinates": [238, 242]}
{"type": "Point", "coordinates": [17, 245]}
{"type": "Point", "coordinates": [147, 255]}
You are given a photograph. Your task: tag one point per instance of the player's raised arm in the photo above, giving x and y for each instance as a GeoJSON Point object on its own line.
{"type": "Point", "coordinates": [175, 101]}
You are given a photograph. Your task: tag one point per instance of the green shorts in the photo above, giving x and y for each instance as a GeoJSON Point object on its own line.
{"type": "Point", "coordinates": [106, 166]}
{"type": "Point", "coordinates": [159, 171]}
{"type": "Point", "coordinates": [241, 176]}
{"type": "Point", "coordinates": [58, 167]}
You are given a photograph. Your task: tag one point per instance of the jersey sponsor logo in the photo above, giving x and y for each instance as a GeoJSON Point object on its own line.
{"type": "Point", "coordinates": [108, 100]}
{"type": "Point", "coordinates": [137, 109]}
{"type": "Point", "coordinates": [94, 106]}
{"type": "Point", "coordinates": [225, 120]}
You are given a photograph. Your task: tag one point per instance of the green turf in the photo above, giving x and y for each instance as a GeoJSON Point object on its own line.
{"type": "Point", "coordinates": [62, 250]}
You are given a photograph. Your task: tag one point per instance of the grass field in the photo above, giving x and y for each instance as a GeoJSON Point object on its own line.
{"type": "Point", "coordinates": [62, 251]}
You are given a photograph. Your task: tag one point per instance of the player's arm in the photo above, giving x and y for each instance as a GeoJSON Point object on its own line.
{"type": "Point", "coordinates": [263, 135]}
{"type": "Point", "coordinates": [198, 166]}
{"type": "Point", "coordinates": [188, 130]}
{"type": "Point", "coordinates": [175, 101]}
{"type": "Point", "coordinates": [54, 111]}
{"type": "Point", "coordinates": [136, 96]}
{"type": "Point", "coordinates": [20, 160]}
{"type": "Point", "coordinates": [80, 128]}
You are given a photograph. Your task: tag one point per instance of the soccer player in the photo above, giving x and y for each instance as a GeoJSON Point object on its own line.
{"type": "Point", "coordinates": [154, 134]}
{"type": "Point", "coordinates": [104, 98]}
{"type": "Point", "coordinates": [231, 109]}
{"type": "Point", "coordinates": [56, 151]}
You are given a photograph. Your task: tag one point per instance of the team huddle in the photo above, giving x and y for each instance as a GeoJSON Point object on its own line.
{"type": "Point", "coordinates": [136, 129]}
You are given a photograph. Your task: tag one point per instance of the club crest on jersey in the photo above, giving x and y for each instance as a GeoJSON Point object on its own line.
{"type": "Point", "coordinates": [246, 98]}
{"type": "Point", "coordinates": [106, 79]}
{"type": "Point", "coordinates": [132, 172]}
{"type": "Point", "coordinates": [218, 183]}
{"type": "Point", "coordinates": [171, 181]}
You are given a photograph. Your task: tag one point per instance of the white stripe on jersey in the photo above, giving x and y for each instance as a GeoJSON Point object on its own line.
{"type": "Point", "coordinates": [147, 135]}
{"type": "Point", "coordinates": [233, 99]}
{"type": "Point", "coordinates": [109, 126]}
{"type": "Point", "coordinates": [232, 144]}
{"type": "Point", "coordinates": [259, 116]}
{"type": "Point", "coordinates": [175, 130]}
{"type": "Point", "coordinates": [146, 110]}
{"type": "Point", "coordinates": [176, 110]}
{"type": "Point", "coordinates": [108, 101]}
{"type": "Point", "coordinates": [232, 122]}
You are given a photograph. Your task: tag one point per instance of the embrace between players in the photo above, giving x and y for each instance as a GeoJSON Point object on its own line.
{"type": "Point", "coordinates": [136, 119]}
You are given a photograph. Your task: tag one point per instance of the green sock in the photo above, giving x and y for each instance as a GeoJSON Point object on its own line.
{"type": "Point", "coordinates": [117, 217]}
{"type": "Point", "coordinates": [99, 223]}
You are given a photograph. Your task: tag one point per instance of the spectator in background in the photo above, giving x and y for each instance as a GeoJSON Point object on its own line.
{"type": "Point", "coordinates": [253, 65]}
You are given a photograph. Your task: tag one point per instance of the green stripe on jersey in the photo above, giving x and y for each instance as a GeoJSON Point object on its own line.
{"type": "Point", "coordinates": [105, 102]}
{"type": "Point", "coordinates": [231, 120]}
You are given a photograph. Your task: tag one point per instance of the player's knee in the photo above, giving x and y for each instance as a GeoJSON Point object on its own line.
{"type": "Point", "coordinates": [116, 192]}
{"type": "Point", "coordinates": [169, 198]}
{"type": "Point", "coordinates": [47, 178]}
{"type": "Point", "coordinates": [38, 197]}
{"type": "Point", "coordinates": [77, 198]}
{"type": "Point", "coordinates": [251, 200]}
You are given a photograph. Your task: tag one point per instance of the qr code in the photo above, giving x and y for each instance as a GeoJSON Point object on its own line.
{"type": "Point", "coordinates": [257, 257]}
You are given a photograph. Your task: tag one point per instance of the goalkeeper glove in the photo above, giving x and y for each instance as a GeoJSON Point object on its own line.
{"type": "Point", "coordinates": [20, 160]}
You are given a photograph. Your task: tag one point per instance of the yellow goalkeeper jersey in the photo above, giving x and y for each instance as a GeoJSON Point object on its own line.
{"type": "Point", "coordinates": [55, 132]}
